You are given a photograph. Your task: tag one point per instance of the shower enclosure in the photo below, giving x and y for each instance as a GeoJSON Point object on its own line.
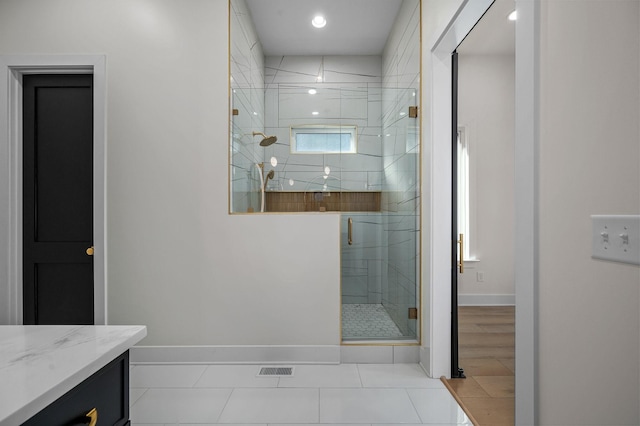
{"type": "Point", "coordinates": [345, 133]}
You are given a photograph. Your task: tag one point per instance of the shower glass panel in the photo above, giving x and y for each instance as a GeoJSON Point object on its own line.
{"type": "Point", "coordinates": [246, 153]}
{"type": "Point", "coordinates": [380, 250]}
{"type": "Point", "coordinates": [358, 154]}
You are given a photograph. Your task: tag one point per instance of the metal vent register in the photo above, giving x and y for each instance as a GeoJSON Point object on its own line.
{"type": "Point", "coordinates": [276, 372]}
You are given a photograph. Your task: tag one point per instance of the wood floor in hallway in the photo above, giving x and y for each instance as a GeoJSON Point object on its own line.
{"type": "Point", "coordinates": [487, 355]}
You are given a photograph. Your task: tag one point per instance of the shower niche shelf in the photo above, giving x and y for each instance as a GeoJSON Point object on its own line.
{"type": "Point", "coordinates": [323, 201]}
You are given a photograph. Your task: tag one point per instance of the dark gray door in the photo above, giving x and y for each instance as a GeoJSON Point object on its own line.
{"type": "Point", "coordinates": [58, 199]}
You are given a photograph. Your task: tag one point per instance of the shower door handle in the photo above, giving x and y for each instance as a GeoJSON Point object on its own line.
{"type": "Point", "coordinates": [350, 231]}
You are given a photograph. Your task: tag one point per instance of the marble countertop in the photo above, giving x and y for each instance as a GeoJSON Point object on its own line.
{"type": "Point", "coordinates": [38, 364]}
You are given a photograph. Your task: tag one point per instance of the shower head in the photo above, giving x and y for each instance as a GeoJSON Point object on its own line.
{"type": "Point", "coordinates": [266, 140]}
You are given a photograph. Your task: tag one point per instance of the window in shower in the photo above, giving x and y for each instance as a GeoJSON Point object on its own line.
{"type": "Point", "coordinates": [324, 139]}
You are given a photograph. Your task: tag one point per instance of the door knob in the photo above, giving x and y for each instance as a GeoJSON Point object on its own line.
{"type": "Point", "coordinates": [89, 251]}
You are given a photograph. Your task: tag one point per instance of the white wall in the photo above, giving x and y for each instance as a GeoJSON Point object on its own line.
{"type": "Point", "coordinates": [589, 164]}
{"type": "Point", "coordinates": [178, 262]}
{"type": "Point", "coordinates": [486, 109]}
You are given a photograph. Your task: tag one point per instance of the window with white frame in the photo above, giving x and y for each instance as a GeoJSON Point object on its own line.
{"type": "Point", "coordinates": [464, 210]}
{"type": "Point", "coordinates": [324, 139]}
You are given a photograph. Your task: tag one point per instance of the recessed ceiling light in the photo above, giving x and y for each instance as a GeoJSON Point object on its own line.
{"type": "Point", "coordinates": [318, 21]}
{"type": "Point", "coordinates": [312, 91]}
{"type": "Point", "coordinates": [315, 113]}
{"type": "Point", "coordinates": [513, 15]}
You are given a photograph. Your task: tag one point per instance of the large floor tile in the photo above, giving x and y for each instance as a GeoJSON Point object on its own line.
{"type": "Point", "coordinates": [254, 405]}
{"type": "Point", "coordinates": [151, 424]}
{"type": "Point", "coordinates": [396, 376]}
{"type": "Point", "coordinates": [222, 424]}
{"type": "Point", "coordinates": [235, 376]}
{"type": "Point", "coordinates": [467, 423]}
{"type": "Point", "coordinates": [180, 406]}
{"type": "Point", "coordinates": [166, 376]}
{"type": "Point", "coordinates": [323, 376]}
{"type": "Point", "coordinates": [366, 406]}
{"type": "Point", "coordinates": [437, 406]}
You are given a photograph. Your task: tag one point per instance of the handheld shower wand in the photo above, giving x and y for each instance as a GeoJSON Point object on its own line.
{"type": "Point", "coordinates": [263, 182]}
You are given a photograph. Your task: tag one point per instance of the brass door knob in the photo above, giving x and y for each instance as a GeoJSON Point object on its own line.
{"type": "Point", "coordinates": [89, 251]}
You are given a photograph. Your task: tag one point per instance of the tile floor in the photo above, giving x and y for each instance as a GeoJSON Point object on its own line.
{"type": "Point", "coordinates": [316, 394]}
{"type": "Point", "coordinates": [368, 321]}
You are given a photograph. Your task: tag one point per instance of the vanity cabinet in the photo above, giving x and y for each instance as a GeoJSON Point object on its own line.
{"type": "Point", "coordinates": [106, 391]}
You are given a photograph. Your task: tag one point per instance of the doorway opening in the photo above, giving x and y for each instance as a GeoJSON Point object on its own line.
{"type": "Point", "coordinates": [12, 70]}
{"type": "Point", "coordinates": [483, 205]}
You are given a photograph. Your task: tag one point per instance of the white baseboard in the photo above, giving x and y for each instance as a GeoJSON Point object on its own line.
{"type": "Point", "coordinates": [389, 354]}
{"type": "Point", "coordinates": [274, 354]}
{"type": "Point", "coordinates": [235, 354]}
{"type": "Point", "coordinates": [486, 299]}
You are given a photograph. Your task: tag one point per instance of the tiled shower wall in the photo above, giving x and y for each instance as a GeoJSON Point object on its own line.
{"type": "Point", "coordinates": [247, 97]}
{"type": "Point", "coordinates": [401, 167]}
{"type": "Point", "coordinates": [348, 93]}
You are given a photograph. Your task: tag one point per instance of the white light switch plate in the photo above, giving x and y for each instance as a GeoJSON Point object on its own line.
{"type": "Point", "coordinates": [616, 237]}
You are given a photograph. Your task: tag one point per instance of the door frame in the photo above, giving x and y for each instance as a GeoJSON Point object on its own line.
{"type": "Point", "coordinates": [12, 68]}
{"type": "Point", "coordinates": [526, 176]}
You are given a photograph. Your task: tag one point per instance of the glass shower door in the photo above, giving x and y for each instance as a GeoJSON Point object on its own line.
{"type": "Point", "coordinates": [380, 249]}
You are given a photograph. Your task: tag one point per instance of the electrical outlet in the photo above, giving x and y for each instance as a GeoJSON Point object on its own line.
{"type": "Point", "coordinates": [480, 276]}
{"type": "Point", "coordinates": [616, 237]}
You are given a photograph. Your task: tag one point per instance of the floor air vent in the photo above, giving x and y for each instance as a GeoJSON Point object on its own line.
{"type": "Point", "coordinates": [276, 372]}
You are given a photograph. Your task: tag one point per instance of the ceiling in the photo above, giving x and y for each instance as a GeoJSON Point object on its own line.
{"type": "Point", "coordinates": [361, 27]}
{"type": "Point", "coordinates": [354, 27]}
{"type": "Point", "coordinates": [494, 34]}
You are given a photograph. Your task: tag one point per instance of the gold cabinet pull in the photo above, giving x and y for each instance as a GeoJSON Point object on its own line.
{"type": "Point", "coordinates": [92, 417]}
{"type": "Point", "coordinates": [89, 251]}
{"type": "Point", "coordinates": [461, 261]}
{"type": "Point", "coordinates": [350, 233]}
